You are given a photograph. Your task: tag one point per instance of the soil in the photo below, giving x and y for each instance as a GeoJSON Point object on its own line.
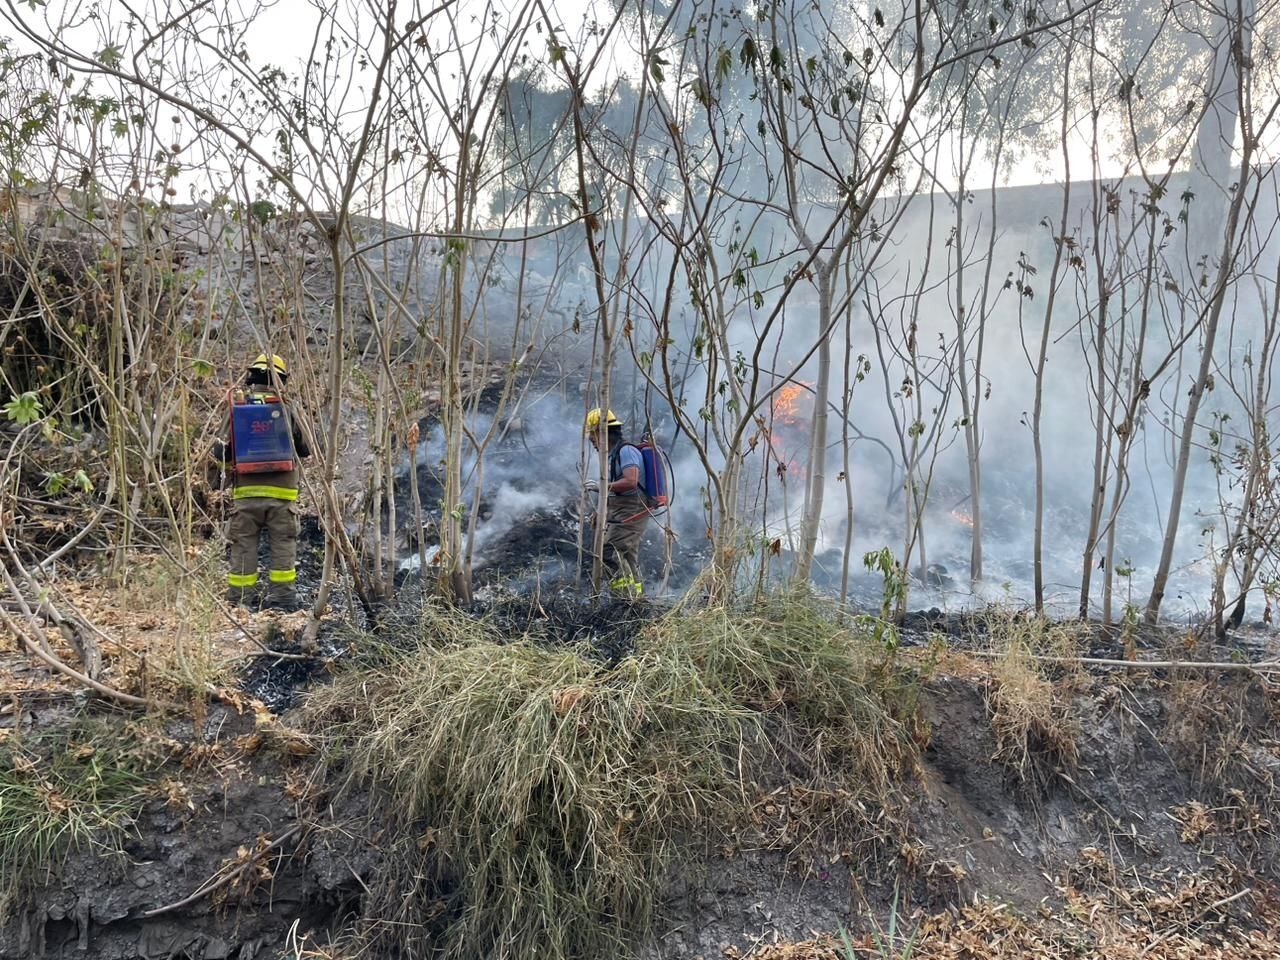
{"type": "Point", "coordinates": [221, 797]}
{"type": "Point", "coordinates": [1114, 819]}
{"type": "Point", "coordinates": [979, 834]}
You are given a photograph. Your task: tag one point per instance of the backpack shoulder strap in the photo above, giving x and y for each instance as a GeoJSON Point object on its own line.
{"type": "Point", "coordinates": [615, 467]}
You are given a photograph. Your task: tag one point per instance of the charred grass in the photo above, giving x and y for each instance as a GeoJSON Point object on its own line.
{"type": "Point", "coordinates": [540, 800]}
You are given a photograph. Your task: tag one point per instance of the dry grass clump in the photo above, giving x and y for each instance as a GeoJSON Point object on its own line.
{"type": "Point", "coordinates": [545, 795]}
{"type": "Point", "coordinates": [835, 712]}
{"type": "Point", "coordinates": [543, 799]}
{"type": "Point", "coordinates": [1035, 729]}
{"type": "Point", "coordinates": [787, 657]}
{"type": "Point", "coordinates": [1219, 730]}
{"type": "Point", "coordinates": [74, 788]}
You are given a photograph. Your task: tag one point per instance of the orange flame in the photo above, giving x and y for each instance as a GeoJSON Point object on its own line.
{"type": "Point", "coordinates": [786, 403]}
{"type": "Point", "coordinates": [786, 435]}
{"type": "Point", "coordinates": [962, 517]}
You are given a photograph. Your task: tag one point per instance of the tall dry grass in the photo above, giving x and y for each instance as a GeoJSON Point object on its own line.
{"type": "Point", "coordinates": [1029, 700]}
{"type": "Point", "coordinates": [542, 801]}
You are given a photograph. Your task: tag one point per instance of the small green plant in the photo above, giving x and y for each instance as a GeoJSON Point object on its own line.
{"type": "Point", "coordinates": [1129, 630]}
{"type": "Point", "coordinates": [57, 483]}
{"type": "Point", "coordinates": [893, 597]}
{"type": "Point", "coordinates": [886, 939]}
{"type": "Point", "coordinates": [263, 211]}
{"type": "Point", "coordinates": [1129, 622]}
{"type": "Point", "coordinates": [24, 409]}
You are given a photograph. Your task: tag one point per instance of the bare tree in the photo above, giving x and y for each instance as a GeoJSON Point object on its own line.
{"type": "Point", "coordinates": [1061, 242]}
{"type": "Point", "coordinates": [1244, 198]}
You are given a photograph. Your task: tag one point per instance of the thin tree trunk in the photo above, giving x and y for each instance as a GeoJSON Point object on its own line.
{"type": "Point", "coordinates": [815, 482]}
{"type": "Point", "coordinates": [1139, 388]}
{"type": "Point", "coordinates": [591, 224]}
{"type": "Point", "coordinates": [846, 447]}
{"type": "Point", "coordinates": [1102, 418]}
{"type": "Point", "coordinates": [1246, 540]}
{"type": "Point", "coordinates": [1037, 549]}
{"type": "Point", "coordinates": [1212, 156]}
{"type": "Point", "coordinates": [1199, 386]}
{"type": "Point", "coordinates": [967, 403]}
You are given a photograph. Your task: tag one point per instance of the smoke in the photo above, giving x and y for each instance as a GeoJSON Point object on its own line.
{"type": "Point", "coordinates": [909, 378]}
{"type": "Point", "coordinates": [1072, 391]}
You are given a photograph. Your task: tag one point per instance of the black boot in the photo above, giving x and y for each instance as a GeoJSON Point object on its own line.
{"type": "Point", "coordinates": [243, 597]}
{"type": "Point", "coordinates": [283, 602]}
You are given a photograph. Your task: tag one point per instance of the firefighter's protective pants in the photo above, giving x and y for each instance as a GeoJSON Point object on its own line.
{"type": "Point", "coordinates": [626, 522]}
{"type": "Point", "coordinates": [249, 516]}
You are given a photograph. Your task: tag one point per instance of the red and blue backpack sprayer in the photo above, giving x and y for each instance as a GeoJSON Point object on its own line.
{"type": "Point", "coordinates": [261, 437]}
{"type": "Point", "coordinates": [657, 476]}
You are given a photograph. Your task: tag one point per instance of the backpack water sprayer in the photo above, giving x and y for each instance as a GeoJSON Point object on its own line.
{"type": "Point", "coordinates": [657, 477]}
{"type": "Point", "coordinates": [261, 437]}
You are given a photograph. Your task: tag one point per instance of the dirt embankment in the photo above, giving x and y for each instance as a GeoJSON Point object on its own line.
{"type": "Point", "coordinates": [1145, 812]}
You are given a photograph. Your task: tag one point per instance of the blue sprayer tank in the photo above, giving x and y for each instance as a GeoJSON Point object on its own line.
{"type": "Point", "coordinates": [261, 438]}
{"type": "Point", "coordinates": [657, 486]}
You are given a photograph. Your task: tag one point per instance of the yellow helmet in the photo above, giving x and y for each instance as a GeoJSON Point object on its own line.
{"type": "Point", "coordinates": [593, 419]}
{"type": "Point", "coordinates": [264, 363]}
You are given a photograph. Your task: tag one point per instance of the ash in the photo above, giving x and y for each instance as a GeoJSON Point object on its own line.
{"type": "Point", "coordinates": [603, 628]}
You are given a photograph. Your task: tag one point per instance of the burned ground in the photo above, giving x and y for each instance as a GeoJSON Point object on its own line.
{"type": "Point", "coordinates": [1147, 798]}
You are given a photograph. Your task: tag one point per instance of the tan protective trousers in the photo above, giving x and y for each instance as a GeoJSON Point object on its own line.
{"type": "Point", "coordinates": [279, 518]}
{"type": "Point", "coordinates": [627, 520]}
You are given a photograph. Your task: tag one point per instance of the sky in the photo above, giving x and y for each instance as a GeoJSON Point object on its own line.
{"type": "Point", "coordinates": [283, 33]}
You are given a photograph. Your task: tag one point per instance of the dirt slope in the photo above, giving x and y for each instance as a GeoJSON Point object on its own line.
{"type": "Point", "coordinates": [1126, 832]}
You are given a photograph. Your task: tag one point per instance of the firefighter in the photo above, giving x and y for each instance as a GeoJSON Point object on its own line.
{"type": "Point", "coordinates": [627, 513]}
{"type": "Point", "coordinates": [267, 500]}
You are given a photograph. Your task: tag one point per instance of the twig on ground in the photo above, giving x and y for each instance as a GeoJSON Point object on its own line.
{"type": "Point", "coordinates": [1196, 916]}
{"type": "Point", "coordinates": [1262, 666]}
{"type": "Point", "coordinates": [69, 671]}
{"type": "Point", "coordinates": [221, 879]}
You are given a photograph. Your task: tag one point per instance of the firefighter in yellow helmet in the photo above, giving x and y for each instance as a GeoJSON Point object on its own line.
{"type": "Point", "coordinates": [265, 446]}
{"type": "Point", "coordinates": [627, 513]}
